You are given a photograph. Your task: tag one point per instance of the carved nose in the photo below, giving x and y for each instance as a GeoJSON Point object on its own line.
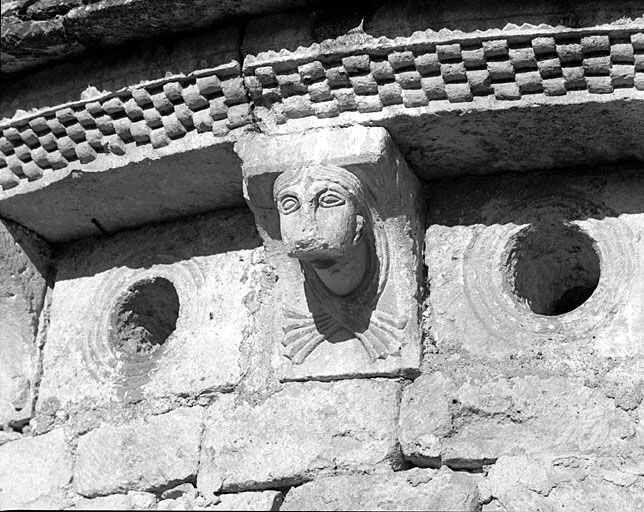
{"type": "Point", "coordinates": [307, 228]}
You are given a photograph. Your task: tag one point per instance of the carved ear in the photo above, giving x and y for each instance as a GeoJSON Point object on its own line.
{"type": "Point", "coordinates": [359, 227]}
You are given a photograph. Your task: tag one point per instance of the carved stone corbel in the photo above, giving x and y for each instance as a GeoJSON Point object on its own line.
{"type": "Point", "coordinates": [341, 216]}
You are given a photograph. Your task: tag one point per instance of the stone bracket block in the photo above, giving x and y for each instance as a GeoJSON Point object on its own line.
{"type": "Point", "coordinates": [340, 214]}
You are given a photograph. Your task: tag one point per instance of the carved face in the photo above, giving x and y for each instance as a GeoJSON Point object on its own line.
{"type": "Point", "coordinates": [319, 217]}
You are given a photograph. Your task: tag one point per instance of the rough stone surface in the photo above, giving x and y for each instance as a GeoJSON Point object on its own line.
{"type": "Point", "coordinates": [426, 418]}
{"type": "Point", "coordinates": [133, 500]}
{"type": "Point", "coordinates": [266, 500]}
{"type": "Point", "coordinates": [8, 436]}
{"type": "Point", "coordinates": [35, 471]}
{"type": "Point", "coordinates": [25, 267]}
{"type": "Point", "coordinates": [404, 18]}
{"type": "Point", "coordinates": [263, 500]}
{"type": "Point", "coordinates": [415, 489]}
{"type": "Point", "coordinates": [474, 424]}
{"type": "Point", "coordinates": [305, 430]}
{"type": "Point", "coordinates": [565, 483]}
{"type": "Point", "coordinates": [162, 384]}
{"type": "Point", "coordinates": [206, 262]}
{"type": "Point", "coordinates": [144, 455]}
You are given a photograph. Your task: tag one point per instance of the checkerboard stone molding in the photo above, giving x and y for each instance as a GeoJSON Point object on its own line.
{"type": "Point", "coordinates": [209, 100]}
{"type": "Point", "coordinates": [355, 73]}
{"type": "Point", "coordinates": [326, 80]}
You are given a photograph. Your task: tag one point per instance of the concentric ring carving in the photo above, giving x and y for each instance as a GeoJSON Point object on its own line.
{"type": "Point", "coordinates": [488, 291]}
{"type": "Point", "coordinates": [101, 358]}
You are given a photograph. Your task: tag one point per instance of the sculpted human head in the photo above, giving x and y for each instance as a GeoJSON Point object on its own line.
{"type": "Point", "coordinates": [322, 212]}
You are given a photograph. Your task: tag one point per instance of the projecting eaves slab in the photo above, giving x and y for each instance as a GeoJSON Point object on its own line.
{"type": "Point", "coordinates": [146, 151]}
{"type": "Point", "coordinates": [202, 176]}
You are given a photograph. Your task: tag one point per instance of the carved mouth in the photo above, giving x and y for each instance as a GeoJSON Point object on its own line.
{"type": "Point", "coordinates": [315, 251]}
{"type": "Point", "coordinates": [322, 258]}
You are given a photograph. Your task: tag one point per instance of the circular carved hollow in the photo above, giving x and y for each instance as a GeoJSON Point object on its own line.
{"type": "Point", "coordinates": [143, 318]}
{"type": "Point", "coordinates": [553, 268]}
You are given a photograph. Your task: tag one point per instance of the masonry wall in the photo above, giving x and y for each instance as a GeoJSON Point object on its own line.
{"type": "Point", "coordinates": [140, 327]}
{"type": "Point", "coordinates": [512, 410]}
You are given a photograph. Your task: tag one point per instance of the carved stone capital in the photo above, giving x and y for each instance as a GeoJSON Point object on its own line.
{"type": "Point", "coordinates": [341, 217]}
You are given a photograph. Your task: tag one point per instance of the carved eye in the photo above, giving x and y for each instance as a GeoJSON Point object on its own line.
{"type": "Point", "coordinates": [329, 199]}
{"type": "Point", "coordinates": [289, 204]}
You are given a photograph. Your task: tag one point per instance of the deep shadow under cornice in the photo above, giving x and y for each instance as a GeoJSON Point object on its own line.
{"type": "Point", "coordinates": [566, 194]}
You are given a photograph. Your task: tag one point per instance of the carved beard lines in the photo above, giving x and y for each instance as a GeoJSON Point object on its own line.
{"type": "Point", "coordinates": [302, 336]}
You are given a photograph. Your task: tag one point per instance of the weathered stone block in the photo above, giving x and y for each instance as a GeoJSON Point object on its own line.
{"type": "Point", "coordinates": [348, 273]}
{"type": "Point", "coordinates": [564, 483]}
{"type": "Point", "coordinates": [155, 313]}
{"type": "Point", "coordinates": [24, 270]}
{"type": "Point", "coordinates": [143, 455]}
{"type": "Point", "coordinates": [416, 489]}
{"type": "Point", "coordinates": [265, 500]}
{"type": "Point", "coordinates": [425, 418]}
{"type": "Point", "coordinates": [34, 472]}
{"type": "Point", "coordinates": [8, 436]}
{"type": "Point", "coordinates": [525, 481]}
{"type": "Point", "coordinates": [305, 430]}
{"type": "Point", "coordinates": [133, 500]}
{"type": "Point", "coordinates": [475, 424]}
{"type": "Point", "coordinates": [548, 264]}
{"type": "Point", "coordinates": [259, 501]}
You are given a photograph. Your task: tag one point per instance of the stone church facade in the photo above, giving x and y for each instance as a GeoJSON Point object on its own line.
{"type": "Point", "coordinates": [289, 255]}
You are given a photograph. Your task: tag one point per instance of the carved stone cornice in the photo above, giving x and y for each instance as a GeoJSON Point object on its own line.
{"type": "Point", "coordinates": [360, 74]}
{"type": "Point", "coordinates": [351, 78]}
{"type": "Point", "coordinates": [516, 98]}
{"type": "Point", "coordinates": [155, 114]}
